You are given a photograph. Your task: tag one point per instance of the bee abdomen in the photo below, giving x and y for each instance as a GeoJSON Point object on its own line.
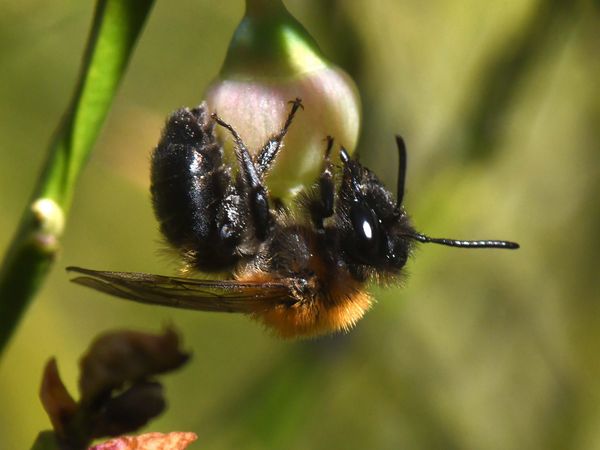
{"type": "Point", "coordinates": [188, 183]}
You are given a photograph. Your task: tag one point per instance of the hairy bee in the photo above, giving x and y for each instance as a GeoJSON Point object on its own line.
{"type": "Point", "coordinates": [301, 271]}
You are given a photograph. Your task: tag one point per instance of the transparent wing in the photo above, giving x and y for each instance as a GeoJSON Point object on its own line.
{"type": "Point", "coordinates": [187, 293]}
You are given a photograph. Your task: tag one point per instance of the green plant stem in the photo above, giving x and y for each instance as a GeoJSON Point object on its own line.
{"type": "Point", "coordinates": [115, 28]}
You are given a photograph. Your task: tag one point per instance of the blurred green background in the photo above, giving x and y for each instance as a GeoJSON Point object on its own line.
{"type": "Point", "coordinates": [499, 103]}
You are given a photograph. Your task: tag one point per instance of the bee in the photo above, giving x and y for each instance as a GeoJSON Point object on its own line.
{"type": "Point", "coordinates": [300, 270]}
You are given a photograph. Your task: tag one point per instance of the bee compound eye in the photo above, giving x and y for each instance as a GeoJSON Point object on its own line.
{"type": "Point", "coordinates": [366, 231]}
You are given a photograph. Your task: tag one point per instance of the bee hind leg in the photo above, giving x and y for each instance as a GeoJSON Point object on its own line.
{"type": "Point", "coordinates": [269, 151]}
{"type": "Point", "coordinates": [253, 171]}
{"type": "Point", "coordinates": [258, 201]}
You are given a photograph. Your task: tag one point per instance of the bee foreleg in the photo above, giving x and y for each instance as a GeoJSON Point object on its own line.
{"type": "Point", "coordinates": [322, 207]}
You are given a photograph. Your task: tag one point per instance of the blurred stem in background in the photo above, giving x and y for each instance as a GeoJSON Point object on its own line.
{"type": "Point", "coordinates": [270, 410]}
{"type": "Point", "coordinates": [502, 78]}
{"type": "Point", "coordinates": [114, 31]}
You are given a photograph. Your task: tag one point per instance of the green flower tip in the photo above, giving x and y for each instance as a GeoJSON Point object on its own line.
{"type": "Point", "coordinates": [271, 60]}
{"type": "Point", "coordinates": [269, 42]}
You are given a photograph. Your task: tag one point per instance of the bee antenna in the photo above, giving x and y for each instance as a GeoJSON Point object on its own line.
{"type": "Point", "coordinates": [401, 169]}
{"type": "Point", "coordinates": [464, 244]}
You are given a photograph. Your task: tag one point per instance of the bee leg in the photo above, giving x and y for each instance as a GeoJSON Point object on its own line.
{"type": "Point", "coordinates": [199, 207]}
{"type": "Point", "coordinates": [258, 200]}
{"type": "Point", "coordinates": [322, 207]}
{"type": "Point", "coordinates": [267, 154]}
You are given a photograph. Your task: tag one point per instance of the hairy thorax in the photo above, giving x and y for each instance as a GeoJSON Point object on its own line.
{"type": "Point", "coordinates": [326, 296]}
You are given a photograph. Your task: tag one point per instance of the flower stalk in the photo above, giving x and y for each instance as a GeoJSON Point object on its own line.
{"type": "Point", "coordinates": [115, 29]}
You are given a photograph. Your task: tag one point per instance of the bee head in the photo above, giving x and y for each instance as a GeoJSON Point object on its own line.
{"type": "Point", "coordinates": [374, 228]}
{"type": "Point", "coordinates": [376, 236]}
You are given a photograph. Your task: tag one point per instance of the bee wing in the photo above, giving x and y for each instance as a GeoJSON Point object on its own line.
{"type": "Point", "coordinates": [188, 293]}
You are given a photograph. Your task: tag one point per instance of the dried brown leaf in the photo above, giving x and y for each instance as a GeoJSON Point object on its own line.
{"type": "Point", "coordinates": [121, 357]}
{"type": "Point", "coordinates": [57, 401]}
{"type": "Point", "coordinates": [130, 410]}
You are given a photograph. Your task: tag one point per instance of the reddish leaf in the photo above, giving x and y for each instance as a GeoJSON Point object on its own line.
{"type": "Point", "coordinates": [177, 440]}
